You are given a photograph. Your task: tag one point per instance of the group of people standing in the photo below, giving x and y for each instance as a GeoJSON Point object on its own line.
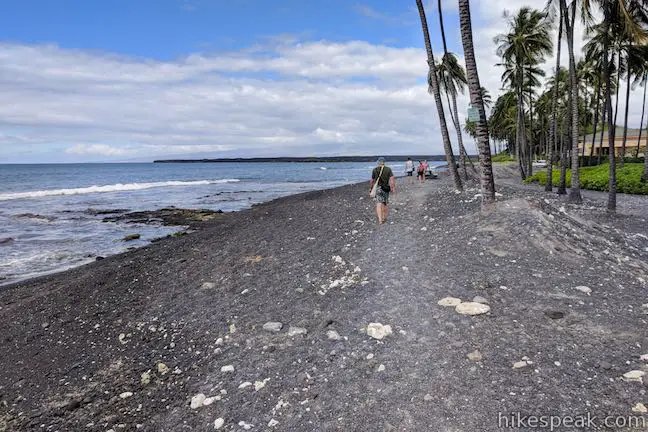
{"type": "Point", "coordinates": [420, 170]}
{"type": "Point", "coordinates": [384, 176]}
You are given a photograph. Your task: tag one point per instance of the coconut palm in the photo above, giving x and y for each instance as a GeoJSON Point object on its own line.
{"type": "Point", "coordinates": [432, 79]}
{"type": "Point", "coordinates": [618, 24]}
{"type": "Point", "coordinates": [452, 80]}
{"type": "Point", "coordinates": [477, 101]}
{"type": "Point", "coordinates": [525, 45]}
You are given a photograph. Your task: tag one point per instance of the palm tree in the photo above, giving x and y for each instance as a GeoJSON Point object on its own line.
{"type": "Point", "coordinates": [432, 79]}
{"type": "Point", "coordinates": [617, 23]}
{"type": "Point", "coordinates": [521, 49]}
{"type": "Point", "coordinates": [476, 99]}
{"type": "Point", "coordinates": [570, 21]}
{"type": "Point", "coordinates": [452, 80]}
{"type": "Point", "coordinates": [635, 68]}
{"type": "Point", "coordinates": [554, 102]}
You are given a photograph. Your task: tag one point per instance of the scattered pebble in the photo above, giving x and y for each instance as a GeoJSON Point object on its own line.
{"type": "Point", "coordinates": [210, 400]}
{"type": "Point", "coordinates": [258, 385]}
{"type": "Point", "coordinates": [333, 335]}
{"type": "Point", "coordinates": [208, 285]}
{"type": "Point", "coordinates": [634, 375]}
{"type": "Point", "coordinates": [643, 357]}
{"type": "Point", "coordinates": [475, 356]}
{"type": "Point", "coordinates": [640, 408]}
{"type": "Point", "coordinates": [197, 401]}
{"type": "Point", "coordinates": [272, 326]}
{"type": "Point", "coordinates": [381, 368]}
{"type": "Point", "coordinates": [370, 356]}
{"type": "Point", "coordinates": [294, 331]}
{"type": "Point", "coordinates": [228, 368]}
{"type": "Point", "coordinates": [378, 330]}
{"type": "Point", "coordinates": [427, 397]}
{"type": "Point", "coordinates": [246, 426]}
{"type": "Point", "coordinates": [126, 395]}
{"type": "Point", "coordinates": [584, 289]}
{"type": "Point", "coordinates": [162, 368]}
{"type": "Point", "coordinates": [449, 301]}
{"type": "Point", "coordinates": [146, 378]}
{"type": "Point", "coordinates": [219, 423]}
{"type": "Point", "coordinates": [273, 423]}
{"type": "Point", "coordinates": [472, 308]}
{"type": "Point", "coordinates": [245, 384]}
{"type": "Point", "coordinates": [521, 364]}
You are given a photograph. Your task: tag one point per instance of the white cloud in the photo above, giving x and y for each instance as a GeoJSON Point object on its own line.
{"type": "Point", "coordinates": [97, 149]}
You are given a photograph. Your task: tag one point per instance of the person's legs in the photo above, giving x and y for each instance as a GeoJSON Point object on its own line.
{"type": "Point", "coordinates": [385, 211]}
{"type": "Point", "coordinates": [379, 212]}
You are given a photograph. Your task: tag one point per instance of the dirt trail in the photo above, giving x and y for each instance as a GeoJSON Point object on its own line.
{"type": "Point", "coordinates": [87, 344]}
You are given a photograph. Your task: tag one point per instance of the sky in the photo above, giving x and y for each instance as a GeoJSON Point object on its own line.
{"type": "Point", "coordinates": [138, 80]}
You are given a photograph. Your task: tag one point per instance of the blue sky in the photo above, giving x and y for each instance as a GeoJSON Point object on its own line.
{"type": "Point", "coordinates": [167, 29]}
{"type": "Point", "coordinates": [141, 79]}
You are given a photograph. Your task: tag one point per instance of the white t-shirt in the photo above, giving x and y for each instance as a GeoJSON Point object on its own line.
{"type": "Point", "coordinates": [409, 166]}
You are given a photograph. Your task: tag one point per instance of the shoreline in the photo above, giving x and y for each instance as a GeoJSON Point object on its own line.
{"type": "Point", "coordinates": [191, 224]}
{"type": "Point", "coordinates": [265, 313]}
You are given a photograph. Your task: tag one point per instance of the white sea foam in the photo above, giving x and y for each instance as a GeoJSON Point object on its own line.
{"type": "Point", "coordinates": [108, 188]}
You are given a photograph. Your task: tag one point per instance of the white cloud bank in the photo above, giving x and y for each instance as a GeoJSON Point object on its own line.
{"type": "Point", "coordinates": [280, 98]}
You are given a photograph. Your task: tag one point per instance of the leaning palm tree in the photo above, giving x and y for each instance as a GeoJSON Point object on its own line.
{"type": "Point", "coordinates": [476, 99]}
{"type": "Point", "coordinates": [434, 83]}
{"type": "Point", "coordinates": [452, 80]}
{"type": "Point", "coordinates": [523, 47]}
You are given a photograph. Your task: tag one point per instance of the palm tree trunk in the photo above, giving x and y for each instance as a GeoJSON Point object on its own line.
{"type": "Point", "coordinates": [625, 121]}
{"type": "Point", "coordinates": [611, 205]}
{"type": "Point", "coordinates": [437, 99]}
{"type": "Point", "coordinates": [562, 187]}
{"type": "Point", "coordinates": [616, 104]}
{"type": "Point", "coordinates": [462, 148]}
{"type": "Point", "coordinates": [531, 140]}
{"type": "Point", "coordinates": [603, 120]}
{"type": "Point", "coordinates": [643, 109]}
{"type": "Point", "coordinates": [596, 117]}
{"type": "Point", "coordinates": [574, 191]}
{"type": "Point", "coordinates": [520, 145]}
{"type": "Point", "coordinates": [476, 99]}
{"type": "Point", "coordinates": [454, 116]}
{"type": "Point", "coordinates": [554, 104]}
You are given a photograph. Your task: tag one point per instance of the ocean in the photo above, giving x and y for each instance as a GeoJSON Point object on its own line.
{"type": "Point", "coordinates": [48, 219]}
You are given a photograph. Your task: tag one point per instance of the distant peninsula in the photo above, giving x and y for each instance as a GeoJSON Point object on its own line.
{"type": "Point", "coordinates": [324, 159]}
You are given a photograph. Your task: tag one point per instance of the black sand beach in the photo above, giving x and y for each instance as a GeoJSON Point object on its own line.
{"type": "Point", "coordinates": [131, 342]}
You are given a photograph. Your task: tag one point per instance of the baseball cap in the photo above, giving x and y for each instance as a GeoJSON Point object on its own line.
{"type": "Point", "coordinates": [381, 160]}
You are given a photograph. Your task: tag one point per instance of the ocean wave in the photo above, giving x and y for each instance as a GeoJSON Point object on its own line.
{"type": "Point", "coordinates": [119, 187]}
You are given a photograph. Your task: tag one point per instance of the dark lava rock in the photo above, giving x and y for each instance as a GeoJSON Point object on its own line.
{"type": "Point", "coordinates": [166, 216]}
{"type": "Point", "coordinates": [605, 365]}
{"type": "Point", "coordinates": [131, 237]}
{"type": "Point", "coordinates": [99, 258]}
{"type": "Point", "coordinates": [6, 240]}
{"type": "Point", "coordinates": [555, 314]}
{"type": "Point", "coordinates": [73, 404]}
{"type": "Point", "coordinates": [100, 212]}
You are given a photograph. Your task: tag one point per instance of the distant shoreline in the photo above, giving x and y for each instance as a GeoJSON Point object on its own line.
{"type": "Point", "coordinates": [435, 158]}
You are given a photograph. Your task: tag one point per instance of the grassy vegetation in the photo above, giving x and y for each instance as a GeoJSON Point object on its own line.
{"type": "Point", "coordinates": [596, 178]}
{"type": "Point", "coordinates": [503, 157]}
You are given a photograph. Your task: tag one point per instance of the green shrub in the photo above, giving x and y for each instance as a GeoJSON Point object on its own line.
{"type": "Point", "coordinates": [503, 157]}
{"type": "Point", "coordinates": [596, 178]}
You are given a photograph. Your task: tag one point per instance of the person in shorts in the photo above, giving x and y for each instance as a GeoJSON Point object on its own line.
{"type": "Point", "coordinates": [386, 184]}
{"type": "Point", "coordinates": [409, 170]}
